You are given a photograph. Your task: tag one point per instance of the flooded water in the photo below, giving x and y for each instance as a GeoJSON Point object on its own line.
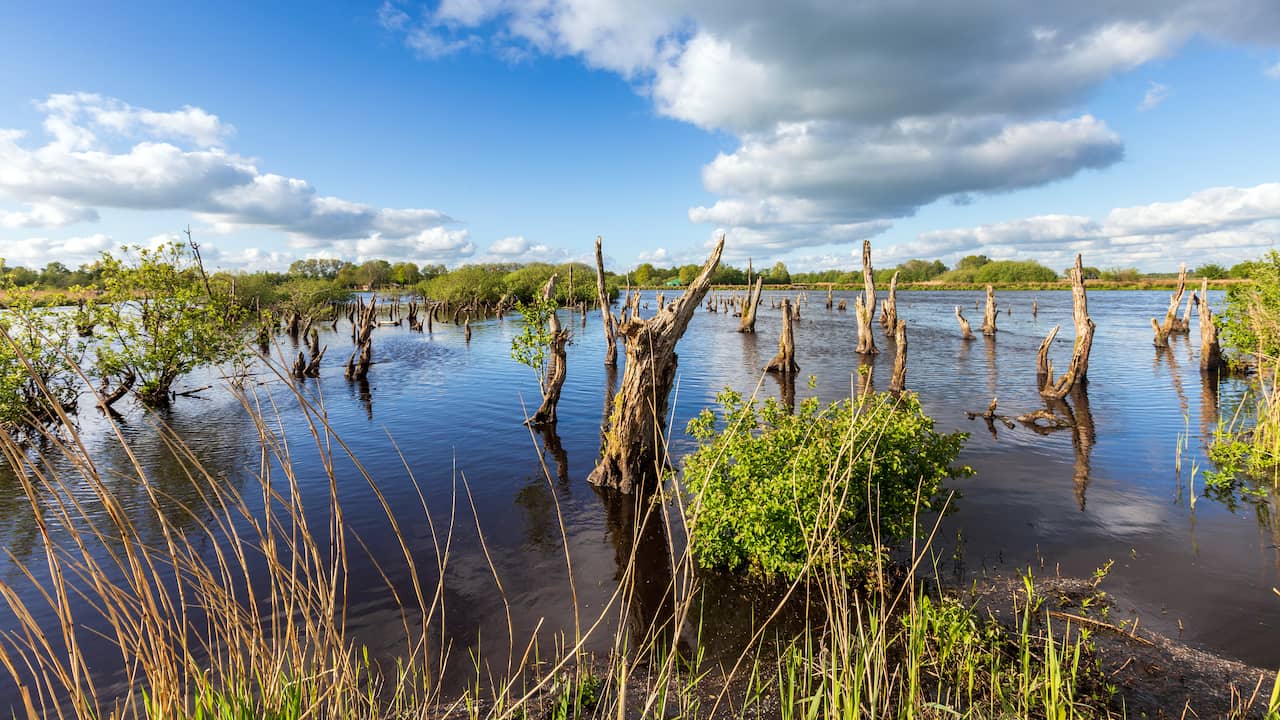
{"type": "Point", "coordinates": [1065, 502]}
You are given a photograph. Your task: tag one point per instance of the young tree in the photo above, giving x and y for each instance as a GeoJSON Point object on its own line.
{"type": "Point", "coordinates": [159, 323]}
{"type": "Point", "coordinates": [38, 353]}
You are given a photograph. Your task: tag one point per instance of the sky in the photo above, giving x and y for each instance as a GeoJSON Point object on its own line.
{"type": "Point", "coordinates": [1140, 134]}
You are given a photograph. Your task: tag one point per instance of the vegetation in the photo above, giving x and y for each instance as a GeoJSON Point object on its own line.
{"type": "Point", "coordinates": [162, 320]}
{"type": "Point", "coordinates": [37, 384]}
{"type": "Point", "coordinates": [769, 476]}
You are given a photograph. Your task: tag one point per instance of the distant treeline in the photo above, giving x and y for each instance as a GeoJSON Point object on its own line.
{"type": "Point", "coordinates": [520, 281]}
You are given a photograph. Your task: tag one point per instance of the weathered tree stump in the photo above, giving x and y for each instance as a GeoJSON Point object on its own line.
{"type": "Point", "coordinates": [989, 315]}
{"type": "Point", "coordinates": [629, 455]}
{"type": "Point", "coordinates": [554, 381]}
{"type": "Point", "coordinates": [785, 361]}
{"type": "Point", "coordinates": [898, 382]}
{"type": "Point", "coordinates": [1163, 330]}
{"type": "Point", "coordinates": [466, 329]}
{"type": "Point", "coordinates": [1210, 352]}
{"type": "Point", "coordinates": [1078, 370]}
{"type": "Point", "coordinates": [829, 298]}
{"type": "Point", "coordinates": [966, 332]}
{"type": "Point", "coordinates": [606, 314]}
{"type": "Point", "coordinates": [748, 323]}
{"type": "Point", "coordinates": [843, 305]}
{"type": "Point", "coordinates": [1035, 307]}
{"type": "Point", "coordinates": [889, 308]}
{"type": "Point", "coordinates": [1184, 325]}
{"type": "Point", "coordinates": [865, 306]}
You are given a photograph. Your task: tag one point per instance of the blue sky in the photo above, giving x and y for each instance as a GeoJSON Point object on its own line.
{"type": "Point", "coordinates": [468, 131]}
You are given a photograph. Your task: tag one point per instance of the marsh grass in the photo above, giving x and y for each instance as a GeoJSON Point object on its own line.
{"type": "Point", "coordinates": [234, 605]}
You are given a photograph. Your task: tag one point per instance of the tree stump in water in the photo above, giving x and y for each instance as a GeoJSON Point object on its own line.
{"type": "Point", "coordinates": [361, 333]}
{"type": "Point", "coordinates": [989, 315]}
{"type": "Point", "coordinates": [1163, 330]}
{"type": "Point", "coordinates": [466, 329]}
{"type": "Point", "coordinates": [629, 454]}
{"type": "Point", "coordinates": [865, 307]}
{"type": "Point", "coordinates": [1184, 325]}
{"type": "Point", "coordinates": [546, 414]}
{"type": "Point", "coordinates": [606, 314]}
{"type": "Point", "coordinates": [889, 308]}
{"type": "Point", "coordinates": [1078, 370]}
{"type": "Point", "coordinates": [1210, 352]}
{"type": "Point", "coordinates": [897, 383]}
{"type": "Point", "coordinates": [829, 298]}
{"type": "Point", "coordinates": [785, 361]}
{"type": "Point", "coordinates": [1035, 307]}
{"type": "Point", "coordinates": [842, 306]}
{"type": "Point", "coordinates": [966, 332]}
{"type": "Point", "coordinates": [748, 323]}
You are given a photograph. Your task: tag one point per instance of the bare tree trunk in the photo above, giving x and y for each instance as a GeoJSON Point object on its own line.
{"type": "Point", "coordinates": [897, 383]}
{"type": "Point", "coordinates": [606, 314]}
{"type": "Point", "coordinates": [785, 361]}
{"type": "Point", "coordinates": [1184, 325]}
{"type": "Point", "coordinates": [989, 315]}
{"type": "Point", "coordinates": [1163, 330]}
{"type": "Point", "coordinates": [889, 308]}
{"type": "Point", "coordinates": [1035, 307]}
{"type": "Point", "coordinates": [108, 398]}
{"type": "Point", "coordinates": [1210, 351]}
{"type": "Point", "coordinates": [829, 298]}
{"type": "Point", "coordinates": [629, 455]}
{"type": "Point", "coordinates": [361, 333]}
{"type": "Point", "coordinates": [1078, 370]}
{"type": "Point", "coordinates": [546, 414]}
{"type": "Point", "coordinates": [865, 306]}
{"type": "Point", "coordinates": [466, 329]}
{"type": "Point", "coordinates": [748, 323]}
{"type": "Point", "coordinates": [966, 332]}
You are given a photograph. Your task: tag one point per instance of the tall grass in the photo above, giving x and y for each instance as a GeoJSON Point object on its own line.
{"type": "Point", "coordinates": [234, 605]}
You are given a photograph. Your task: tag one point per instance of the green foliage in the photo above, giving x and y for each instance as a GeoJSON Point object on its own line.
{"type": "Point", "coordinates": [37, 375]}
{"type": "Point", "coordinates": [469, 283]}
{"type": "Point", "coordinates": [769, 479]}
{"type": "Point", "coordinates": [160, 321]}
{"type": "Point", "coordinates": [1013, 271]}
{"type": "Point", "coordinates": [1212, 271]}
{"type": "Point", "coordinates": [317, 268]}
{"type": "Point", "coordinates": [532, 345]}
{"type": "Point", "coordinates": [919, 270]}
{"type": "Point", "coordinates": [972, 262]}
{"type": "Point", "coordinates": [777, 275]}
{"type": "Point", "coordinates": [1119, 274]}
{"type": "Point", "coordinates": [1251, 319]}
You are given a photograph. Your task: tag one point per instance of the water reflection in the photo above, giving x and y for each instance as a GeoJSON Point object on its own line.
{"type": "Point", "coordinates": [786, 389]}
{"type": "Point", "coordinates": [642, 555]}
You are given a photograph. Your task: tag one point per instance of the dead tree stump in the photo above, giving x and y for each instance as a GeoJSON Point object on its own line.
{"type": "Point", "coordinates": [748, 323]}
{"type": "Point", "coordinates": [606, 314]}
{"type": "Point", "coordinates": [829, 298]}
{"type": "Point", "coordinates": [629, 455]}
{"type": "Point", "coordinates": [1035, 307]}
{"type": "Point", "coordinates": [989, 315]}
{"type": "Point", "coordinates": [865, 306]}
{"type": "Point", "coordinates": [1184, 325]}
{"type": "Point", "coordinates": [554, 381]}
{"type": "Point", "coordinates": [362, 332]}
{"type": "Point", "coordinates": [1210, 352]}
{"type": "Point", "coordinates": [1078, 370]}
{"type": "Point", "coordinates": [966, 332]}
{"type": "Point", "coordinates": [897, 383]}
{"type": "Point", "coordinates": [785, 361]}
{"type": "Point", "coordinates": [1163, 330]}
{"type": "Point", "coordinates": [889, 308]}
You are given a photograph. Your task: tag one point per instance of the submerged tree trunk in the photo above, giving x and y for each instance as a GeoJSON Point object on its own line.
{"type": "Point", "coordinates": [865, 306]}
{"type": "Point", "coordinates": [785, 361]}
{"type": "Point", "coordinates": [748, 323]}
{"type": "Point", "coordinates": [889, 309]}
{"type": "Point", "coordinates": [1163, 330]}
{"type": "Point", "coordinates": [629, 456]}
{"type": "Point", "coordinates": [1210, 352]}
{"type": "Point", "coordinates": [989, 315]}
{"type": "Point", "coordinates": [966, 332]}
{"type": "Point", "coordinates": [606, 314]}
{"type": "Point", "coordinates": [1078, 370]}
{"type": "Point", "coordinates": [898, 382]}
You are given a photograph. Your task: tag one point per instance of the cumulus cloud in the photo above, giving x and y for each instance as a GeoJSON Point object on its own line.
{"type": "Point", "coordinates": [104, 153]}
{"type": "Point", "coordinates": [1226, 224]}
{"type": "Point", "coordinates": [847, 113]}
{"type": "Point", "coordinates": [1156, 94]}
{"type": "Point", "coordinates": [1273, 71]}
{"type": "Point", "coordinates": [517, 249]}
{"type": "Point", "coordinates": [37, 251]}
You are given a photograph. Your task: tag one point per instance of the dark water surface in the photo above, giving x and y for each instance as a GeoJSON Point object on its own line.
{"type": "Point", "coordinates": [1061, 503]}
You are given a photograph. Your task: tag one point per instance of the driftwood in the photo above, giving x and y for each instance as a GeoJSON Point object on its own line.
{"type": "Point", "coordinates": [785, 361]}
{"type": "Point", "coordinates": [1078, 370]}
{"type": "Point", "coordinates": [897, 383]}
{"type": "Point", "coordinates": [630, 450]}
{"type": "Point", "coordinates": [989, 315]}
{"type": "Point", "coordinates": [865, 306]}
{"type": "Point", "coordinates": [748, 324]}
{"type": "Point", "coordinates": [889, 308]}
{"type": "Point", "coordinates": [1210, 352]}
{"type": "Point", "coordinates": [966, 332]}
{"type": "Point", "coordinates": [1163, 330]}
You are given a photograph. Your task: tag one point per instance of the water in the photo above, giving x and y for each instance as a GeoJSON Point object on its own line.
{"type": "Point", "coordinates": [1058, 503]}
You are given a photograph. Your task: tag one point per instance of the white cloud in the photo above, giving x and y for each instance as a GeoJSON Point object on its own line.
{"type": "Point", "coordinates": [512, 245]}
{"type": "Point", "coordinates": [1224, 225]}
{"type": "Point", "coordinates": [1155, 95]}
{"type": "Point", "coordinates": [176, 163]}
{"type": "Point", "coordinates": [35, 252]}
{"type": "Point", "coordinates": [1273, 71]}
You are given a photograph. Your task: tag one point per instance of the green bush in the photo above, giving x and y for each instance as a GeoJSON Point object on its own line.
{"type": "Point", "coordinates": [38, 353]}
{"type": "Point", "coordinates": [1251, 319]}
{"type": "Point", "coordinates": [769, 481]}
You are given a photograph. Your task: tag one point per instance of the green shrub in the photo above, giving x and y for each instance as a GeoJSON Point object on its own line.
{"type": "Point", "coordinates": [770, 482]}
